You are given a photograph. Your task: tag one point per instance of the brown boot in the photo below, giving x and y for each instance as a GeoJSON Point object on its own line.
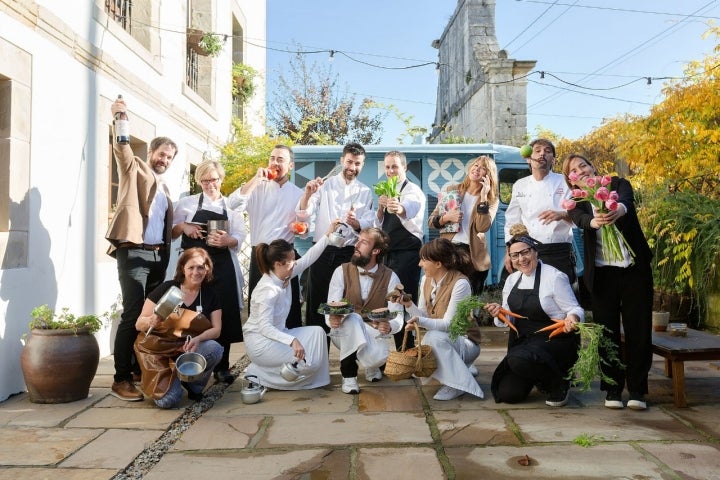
{"type": "Point", "coordinates": [126, 390]}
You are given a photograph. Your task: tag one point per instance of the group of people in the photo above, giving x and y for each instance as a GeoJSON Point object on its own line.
{"type": "Point", "coordinates": [373, 272]}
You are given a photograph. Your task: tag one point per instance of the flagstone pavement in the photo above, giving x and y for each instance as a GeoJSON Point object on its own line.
{"type": "Point", "coordinates": [390, 430]}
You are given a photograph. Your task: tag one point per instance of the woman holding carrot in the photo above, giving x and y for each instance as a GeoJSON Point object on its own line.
{"type": "Point", "coordinates": [442, 287]}
{"type": "Point", "coordinates": [543, 349]}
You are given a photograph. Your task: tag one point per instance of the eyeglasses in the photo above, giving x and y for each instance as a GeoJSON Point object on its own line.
{"type": "Point", "coordinates": [521, 253]}
{"type": "Point", "coordinates": [210, 181]}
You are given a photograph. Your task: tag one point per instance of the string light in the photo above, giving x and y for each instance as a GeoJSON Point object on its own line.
{"type": "Point", "coordinates": [542, 75]}
{"type": "Point", "coordinates": [649, 81]}
{"type": "Point", "coordinates": [332, 55]}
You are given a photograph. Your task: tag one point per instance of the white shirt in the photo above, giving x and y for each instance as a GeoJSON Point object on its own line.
{"type": "Point", "coordinates": [333, 200]}
{"type": "Point", "coordinates": [413, 200]}
{"type": "Point", "coordinates": [556, 295]}
{"type": "Point", "coordinates": [155, 229]}
{"type": "Point", "coordinates": [187, 206]}
{"type": "Point", "coordinates": [270, 303]}
{"type": "Point", "coordinates": [460, 290]}
{"type": "Point", "coordinates": [531, 197]}
{"type": "Point", "coordinates": [271, 209]}
{"type": "Point", "coordinates": [468, 209]}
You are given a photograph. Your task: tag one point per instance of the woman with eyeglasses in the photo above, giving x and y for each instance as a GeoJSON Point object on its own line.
{"type": "Point", "coordinates": [190, 220]}
{"type": "Point", "coordinates": [270, 345]}
{"type": "Point", "coordinates": [540, 293]}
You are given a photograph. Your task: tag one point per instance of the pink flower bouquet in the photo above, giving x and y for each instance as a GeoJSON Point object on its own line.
{"type": "Point", "coordinates": [603, 200]}
{"type": "Point", "coordinates": [449, 201]}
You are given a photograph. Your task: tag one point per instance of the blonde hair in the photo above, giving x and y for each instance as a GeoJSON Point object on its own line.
{"type": "Point", "coordinates": [207, 166]}
{"type": "Point", "coordinates": [489, 164]}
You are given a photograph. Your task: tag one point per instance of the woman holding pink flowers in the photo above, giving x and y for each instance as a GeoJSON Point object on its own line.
{"type": "Point", "coordinates": [617, 273]}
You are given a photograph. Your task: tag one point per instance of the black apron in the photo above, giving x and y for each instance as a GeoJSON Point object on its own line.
{"type": "Point", "coordinates": [224, 278]}
{"type": "Point", "coordinates": [558, 353]}
{"type": "Point", "coordinates": [400, 238]}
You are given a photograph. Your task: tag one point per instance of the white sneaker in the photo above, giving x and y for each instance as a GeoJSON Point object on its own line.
{"type": "Point", "coordinates": [447, 393]}
{"type": "Point", "coordinates": [350, 385]}
{"type": "Point", "coordinates": [373, 374]}
{"type": "Point", "coordinates": [473, 370]}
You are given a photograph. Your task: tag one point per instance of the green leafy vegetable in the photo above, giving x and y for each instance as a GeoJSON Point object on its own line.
{"type": "Point", "coordinates": [586, 440]}
{"type": "Point", "coordinates": [463, 319]}
{"type": "Point", "coordinates": [387, 188]}
{"type": "Point", "coordinates": [589, 363]}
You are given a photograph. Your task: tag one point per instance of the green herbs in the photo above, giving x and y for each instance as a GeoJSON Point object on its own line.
{"type": "Point", "coordinates": [44, 318]}
{"type": "Point", "coordinates": [342, 307]}
{"type": "Point", "coordinates": [388, 188]}
{"type": "Point", "coordinates": [463, 318]}
{"type": "Point", "coordinates": [589, 363]}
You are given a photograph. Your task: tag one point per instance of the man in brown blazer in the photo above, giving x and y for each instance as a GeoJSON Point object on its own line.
{"type": "Point", "coordinates": [140, 235]}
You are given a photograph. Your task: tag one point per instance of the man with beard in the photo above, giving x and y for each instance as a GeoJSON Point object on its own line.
{"type": "Point", "coordinates": [402, 218]}
{"type": "Point", "coordinates": [140, 236]}
{"type": "Point", "coordinates": [270, 199]}
{"type": "Point", "coordinates": [535, 203]}
{"type": "Point", "coordinates": [339, 197]}
{"type": "Point", "coordinates": [366, 284]}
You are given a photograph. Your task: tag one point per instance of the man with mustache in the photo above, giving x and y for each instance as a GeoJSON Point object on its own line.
{"type": "Point", "coordinates": [535, 203]}
{"type": "Point", "coordinates": [341, 197]}
{"type": "Point", "coordinates": [366, 283]}
{"type": "Point", "coordinates": [140, 234]}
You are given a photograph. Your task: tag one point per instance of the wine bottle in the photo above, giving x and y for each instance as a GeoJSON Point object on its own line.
{"type": "Point", "coordinates": [122, 127]}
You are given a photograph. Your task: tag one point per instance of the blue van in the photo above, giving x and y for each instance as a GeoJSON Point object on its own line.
{"type": "Point", "coordinates": [431, 167]}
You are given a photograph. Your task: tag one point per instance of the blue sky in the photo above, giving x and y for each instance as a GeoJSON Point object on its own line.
{"type": "Point", "coordinates": [599, 44]}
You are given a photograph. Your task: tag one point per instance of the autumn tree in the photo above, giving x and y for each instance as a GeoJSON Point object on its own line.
{"type": "Point", "coordinates": [308, 109]}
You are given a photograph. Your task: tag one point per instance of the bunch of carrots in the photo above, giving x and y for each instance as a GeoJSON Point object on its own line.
{"type": "Point", "coordinates": [462, 320]}
{"type": "Point", "coordinates": [556, 328]}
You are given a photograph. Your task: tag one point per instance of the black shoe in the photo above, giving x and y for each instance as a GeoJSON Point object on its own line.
{"type": "Point", "coordinates": [614, 400]}
{"type": "Point", "coordinates": [196, 397]}
{"type": "Point", "coordinates": [559, 396]}
{"type": "Point", "coordinates": [224, 376]}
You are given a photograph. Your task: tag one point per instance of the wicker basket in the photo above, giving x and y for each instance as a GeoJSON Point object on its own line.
{"type": "Point", "coordinates": [418, 360]}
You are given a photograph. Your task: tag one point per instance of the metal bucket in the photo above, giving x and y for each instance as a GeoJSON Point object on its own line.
{"type": "Point", "coordinates": [190, 366]}
{"type": "Point", "coordinates": [213, 225]}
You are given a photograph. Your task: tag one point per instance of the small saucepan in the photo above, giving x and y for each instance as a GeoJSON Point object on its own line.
{"type": "Point", "coordinates": [189, 366]}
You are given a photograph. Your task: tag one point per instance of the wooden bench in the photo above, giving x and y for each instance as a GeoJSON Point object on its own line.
{"type": "Point", "coordinates": [678, 350]}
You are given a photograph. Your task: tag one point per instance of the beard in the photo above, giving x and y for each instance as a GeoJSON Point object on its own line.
{"type": "Point", "coordinates": [349, 175]}
{"type": "Point", "coordinates": [360, 260]}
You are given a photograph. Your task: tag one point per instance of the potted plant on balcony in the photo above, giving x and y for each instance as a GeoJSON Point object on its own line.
{"type": "Point", "coordinates": [204, 43]}
{"type": "Point", "coordinates": [243, 85]}
{"type": "Point", "coordinates": [61, 355]}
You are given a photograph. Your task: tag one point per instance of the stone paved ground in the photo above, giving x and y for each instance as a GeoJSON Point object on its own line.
{"type": "Point", "coordinates": [391, 429]}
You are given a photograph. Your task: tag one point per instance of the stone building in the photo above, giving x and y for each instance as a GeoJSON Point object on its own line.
{"type": "Point", "coordinates": [482, 94]}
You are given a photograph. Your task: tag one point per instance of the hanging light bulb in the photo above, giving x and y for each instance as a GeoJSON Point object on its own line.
{"type": "Point", "coordinates": [437, 67]}
{"type": "Point", "coordinates": [649, 80]}
{"type": "Point", "coordinates": [542, 75]}
{"type": "Point", "coordinates": [332, 55]}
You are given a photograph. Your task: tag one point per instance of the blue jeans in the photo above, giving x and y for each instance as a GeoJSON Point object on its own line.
{"type": "Point", "coordinates": [212, 351]}
{"type": "Point", "coordinates": [139, 272]}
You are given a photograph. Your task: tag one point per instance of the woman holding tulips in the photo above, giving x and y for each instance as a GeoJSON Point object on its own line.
{"type": "Point", "coordinates": [617, 274]}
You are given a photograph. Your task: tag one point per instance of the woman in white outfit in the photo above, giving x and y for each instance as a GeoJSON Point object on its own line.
{"type": "Point", "coordinates": [268, 342]}
{"type": "Point", "coordinates": [442, 287]}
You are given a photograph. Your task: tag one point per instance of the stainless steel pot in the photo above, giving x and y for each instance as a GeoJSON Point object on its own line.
{"type": "Point", "coordinates": [190, 366]}
{"type": "Point", "coordinates": [169, 302]}
{"type": "Point", "coordinates": [252, 392]}
{"type": "Point", "coordinates": [293, 372]}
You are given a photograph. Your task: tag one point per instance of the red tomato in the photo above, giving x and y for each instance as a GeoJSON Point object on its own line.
{"type": "Point", "coordinates": [271, 174]}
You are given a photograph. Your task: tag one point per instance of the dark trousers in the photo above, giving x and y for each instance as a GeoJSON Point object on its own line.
{"type": "Point", "coordinates": [405, 264]}
{"type": "Point", "coordinates": [523, 375]}
{"type": "Point", "coordinates": [294, 318]}
{"type": "Point", "coordinates": [319, 281]}
{"type": "Point", "coordinates": [560, 256]}
{"type": "Point", "coordinates": [349, 366]}
{"type": "Point", "coordinates": [139, 272]}
{"type": "Point", "coordinates": [626, 294]}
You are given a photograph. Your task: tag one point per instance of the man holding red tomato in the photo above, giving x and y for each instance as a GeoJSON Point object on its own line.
{"type": "Point", "coordinates": [270, 199]}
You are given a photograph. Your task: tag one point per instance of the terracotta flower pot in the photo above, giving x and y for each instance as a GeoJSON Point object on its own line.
{"type": "Point", "coordinates": [59, 365]}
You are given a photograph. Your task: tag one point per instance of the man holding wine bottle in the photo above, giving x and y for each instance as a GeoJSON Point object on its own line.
{"type": "Point", "coordinates": [140, 235]}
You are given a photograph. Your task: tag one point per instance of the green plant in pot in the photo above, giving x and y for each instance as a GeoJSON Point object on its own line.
{"type": "Point", "coordinates": [683, 231]}
{"type": "Point", "coordinates": [243, 85]}
{"type": "Point", "coordinates": [61, 355]}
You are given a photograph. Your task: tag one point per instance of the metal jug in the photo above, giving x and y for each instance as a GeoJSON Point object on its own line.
{"type": "Point", "coordinates": [342, 233]}
{"type": "Point", "coordinates": [252, 392]}
{"type": "Point", "coordinates": [292, 371]}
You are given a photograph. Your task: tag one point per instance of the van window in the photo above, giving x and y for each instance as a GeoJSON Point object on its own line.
{"type": "Point", "coordinates": [507, 178]}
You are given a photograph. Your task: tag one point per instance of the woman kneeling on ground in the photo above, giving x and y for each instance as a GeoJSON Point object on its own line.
{"type": "Point", "coordinates": [540, 293]}
{"type": "Point", "coordinates": [158, 349]}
